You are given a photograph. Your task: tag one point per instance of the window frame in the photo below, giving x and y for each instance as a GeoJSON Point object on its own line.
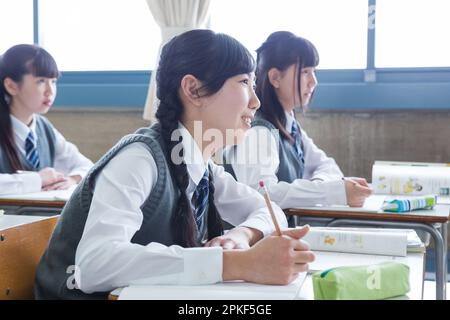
{"type": "Point", "coordinates": [370, 89]}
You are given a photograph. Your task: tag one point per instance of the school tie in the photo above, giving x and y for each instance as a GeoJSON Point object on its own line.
{"type": "Point", "coordinates": [295, 131]}
{"type": "Point", "coordinates": [31, 152]}
{"type": "Point", "coordinates": [200, 199]}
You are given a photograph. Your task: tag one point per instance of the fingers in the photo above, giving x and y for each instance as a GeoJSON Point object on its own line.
{"type": "Point", "coordinates": [226, 244]}
{"type": "Point", "coordinates": [363, 191]}
{"type": "Point", "coordinates": [297, 233]}
{"type": "Point", "coordinates": [57, 186]}
{"type": "Point", "coordinates": [360, 181]}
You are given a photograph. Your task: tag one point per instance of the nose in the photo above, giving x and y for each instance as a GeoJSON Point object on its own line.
{"type": "Point", "coordinates": [50, 89]}
{"type": "Point", "coordinates": [313, 81]}
{"type": "Point", "coordinates": [254, 102]}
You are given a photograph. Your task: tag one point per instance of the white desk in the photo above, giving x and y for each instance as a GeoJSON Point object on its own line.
{"type": "Point", "coordinates": [324, 260]}
{"type": "Point", "coordinates": [48, 202]}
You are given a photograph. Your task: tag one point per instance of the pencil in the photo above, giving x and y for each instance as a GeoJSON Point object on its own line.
{"type": "Point", "coordinates": [269, 206]}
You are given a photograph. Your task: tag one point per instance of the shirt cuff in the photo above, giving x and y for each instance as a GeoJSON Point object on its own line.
{"type": "Point", "coordinates": [335, 192]}
{"type": "Point", "coordinates": [203, 265]}
{"type": "Point", "coordinates": [32, 182]}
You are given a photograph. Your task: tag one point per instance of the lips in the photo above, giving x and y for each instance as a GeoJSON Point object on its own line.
{"type": "Point", "coordinates": [248, 120]}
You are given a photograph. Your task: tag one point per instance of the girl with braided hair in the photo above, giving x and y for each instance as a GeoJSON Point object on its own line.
{"type": "Point", "coordinates": [151, 210]}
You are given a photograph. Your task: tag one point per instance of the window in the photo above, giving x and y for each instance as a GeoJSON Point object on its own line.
{"type": "Point", "coordinates": [412, 33]}
{"type": "Point", "coordinates": [337, 28]}
{"type": "Point", "coordinates": [99, 35]}
{"type": "Point", "coordinates": [16, 23]}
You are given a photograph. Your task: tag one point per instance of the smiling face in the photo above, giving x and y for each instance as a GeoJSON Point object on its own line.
{"type": "Point", "coordinates": [286, 86]}
{"type": "Point", "coordinates": [32, 95]}
{"type": "Point", "coordinates": [232, 108]}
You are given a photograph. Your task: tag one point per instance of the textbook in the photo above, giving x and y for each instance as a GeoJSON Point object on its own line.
{"type": "Point", "coordinates": [375, 241]}
{"type": "Point", "coordinates": [412, 179]}
{"type": "Point", "coordinates": [228, 290]}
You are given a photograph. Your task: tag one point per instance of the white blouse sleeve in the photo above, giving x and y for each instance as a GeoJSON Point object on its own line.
{"type": "Point", "coordinates": [257, 158]}
{"type": "Point", "coordinates": [241, 205]}
{"type": "Point", "coordinates": [68, 159]}
{"type": "Point", "coordinates": [106, 258]}
{"type": "Point", "coordinates": [19, 183]}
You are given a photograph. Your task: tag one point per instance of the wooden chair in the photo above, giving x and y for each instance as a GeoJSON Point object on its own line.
{"type": "Point", "coordinates": [21, 248]}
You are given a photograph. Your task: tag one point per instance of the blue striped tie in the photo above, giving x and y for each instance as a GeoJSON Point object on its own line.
{"type": "Point", "coordinates": [298, 138]}
{"type": "Point", "coordinates": [31, 152]}
{"type": "Point", "coordinates": [200, 199]}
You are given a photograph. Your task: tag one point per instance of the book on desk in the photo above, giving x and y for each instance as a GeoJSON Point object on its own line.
{"type": "Point", "coordinates": [239, 290]}
{"type": "Point", "coordinates": [412, 178]}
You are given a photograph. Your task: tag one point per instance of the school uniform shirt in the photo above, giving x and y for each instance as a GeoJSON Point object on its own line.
{"type": "Point", "coordinates": [115, 215]}
{"type": "Point", "coordinates": [257, 159]}
{"type": "Point", "coordinates": [68, 160]}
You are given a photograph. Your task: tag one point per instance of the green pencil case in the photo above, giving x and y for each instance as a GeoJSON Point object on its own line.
{"type": "Point", "coordinates": [369, 282]}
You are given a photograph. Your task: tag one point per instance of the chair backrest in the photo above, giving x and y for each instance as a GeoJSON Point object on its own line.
{"type": "Point", "coordinates": [21, 248]}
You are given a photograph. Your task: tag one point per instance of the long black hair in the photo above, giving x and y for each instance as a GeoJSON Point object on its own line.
{"type": "Point", "coordinates": [281, 50]}
{"type": "Point", "coordinates": [16, 62]}
{"type": "Point", "coordinates": [212, 58]}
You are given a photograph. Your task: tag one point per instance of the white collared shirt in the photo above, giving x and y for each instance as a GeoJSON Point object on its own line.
{"type": "Point", "coordinates": [105, 257]}
{"type": "Point", "coordinates": [258, 159]}
{"type": "Point", "coordinates": [68, 160]}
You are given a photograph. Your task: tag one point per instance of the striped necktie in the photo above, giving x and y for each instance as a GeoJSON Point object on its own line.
{"type": "Point", "coordinates": [31, 152]}
{"type": "Point", "coordinates": [200, 199]}
{"type": "Point", "coordinates": [295, 131]}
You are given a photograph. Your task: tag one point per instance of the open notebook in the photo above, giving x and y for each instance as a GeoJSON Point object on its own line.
{"type": "Point", "coordinates": [53, 195]}
{"type": "Point", "coordinates": [230, 290]}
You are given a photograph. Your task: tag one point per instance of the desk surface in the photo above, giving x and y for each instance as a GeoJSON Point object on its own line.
{"type": "Point", "coordinates": [8, 221]}
{"type": "Point", "coordinates": [325, 260]}
{"type": "Point", "coordinates": [53, 199]}
{"type": "Point", "coordinates": [440, 214]}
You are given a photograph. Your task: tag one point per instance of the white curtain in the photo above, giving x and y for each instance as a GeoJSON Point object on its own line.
{"type": "Point", "coordinates": [173, 17]}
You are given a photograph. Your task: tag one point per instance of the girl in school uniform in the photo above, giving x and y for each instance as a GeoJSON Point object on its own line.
{"type": "Point", "coordinates": [34, 156]}
{"type": "Point", "coordinates": [151, 210]}
{"type": "Point", "coordinates": [276, 149]}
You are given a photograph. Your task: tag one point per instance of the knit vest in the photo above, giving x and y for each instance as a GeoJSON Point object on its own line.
{"type": "Point", "coordinates": [45, 147]}
{"type": "Point", "coordinates": [55, 272]}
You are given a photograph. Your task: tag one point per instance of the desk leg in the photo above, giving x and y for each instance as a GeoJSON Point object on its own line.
{"type": "Point", "coordinates": [444, 235]}
{"type": "Point", "coordinates": [440, 254]}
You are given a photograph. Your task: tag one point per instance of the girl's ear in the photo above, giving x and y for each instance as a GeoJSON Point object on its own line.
{"type": "Point", "coordinates": [190, 87]}
{"type": "Point", "coordinates": [10, 86]}
{"type": "Point", "coordinates": [274, 77]}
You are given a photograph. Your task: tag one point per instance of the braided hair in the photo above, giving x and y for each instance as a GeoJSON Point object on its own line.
{"type": "Point", "coordinates": [212, 58]}
{"type": "Point", "coordinates": [16, 62]}
{"type": "Point", "coordinates": [281, 50]}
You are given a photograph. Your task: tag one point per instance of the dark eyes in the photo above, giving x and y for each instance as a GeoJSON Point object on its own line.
{"type": "Point", "coordinates": [247, 81]}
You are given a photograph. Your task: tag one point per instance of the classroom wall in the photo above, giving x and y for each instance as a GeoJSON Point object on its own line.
{"type": "Point", "coordinates": [354, 139]}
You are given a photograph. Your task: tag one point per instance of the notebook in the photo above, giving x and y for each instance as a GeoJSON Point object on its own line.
{"type": "Point", "coordinates": [229, 290]}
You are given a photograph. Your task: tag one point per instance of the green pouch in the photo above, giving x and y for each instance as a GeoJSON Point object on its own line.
{"type": "Point", "coordinates": [370, 282]}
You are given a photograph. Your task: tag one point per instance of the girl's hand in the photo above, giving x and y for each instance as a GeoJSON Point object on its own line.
{"type": "Point", "coordinates": [273, 260]}
{"type": "Point", "coordinates": [63, 185]}
{"type": "Point", "coordinates": [356, 193]}
{"type": "Point", "coordinates": [358, 180]}
{"type": "Point", "coordinates": [236, 238]}
{"type": "Point", "coordinates": [50, 176]}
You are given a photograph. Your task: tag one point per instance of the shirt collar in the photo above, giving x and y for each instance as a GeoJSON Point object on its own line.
{"type": "Point", "coordinates": [21, 130]}
{"type": "Point", "coordinates": [289, 119]}
{"type": "Point", "coordinates": [195, 164]}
